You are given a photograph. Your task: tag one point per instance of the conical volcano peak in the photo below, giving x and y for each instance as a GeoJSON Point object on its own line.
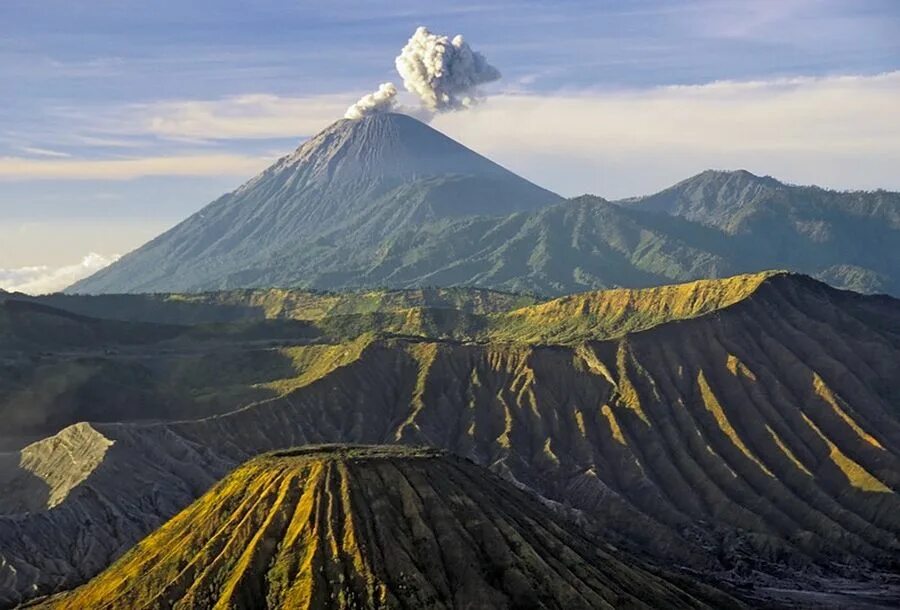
{"type": "Point", "coordinates": [340, 199]}
{"type": "Point", "coordinates": [372, 527]}
{"type": "Point", "coordinates": [385, 146]}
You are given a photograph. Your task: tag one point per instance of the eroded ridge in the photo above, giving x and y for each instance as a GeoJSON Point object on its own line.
{"type": "Point", "coordinates": [372, 527]}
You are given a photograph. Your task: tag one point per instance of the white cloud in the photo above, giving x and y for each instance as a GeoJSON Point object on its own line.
{"type": "Point", "coordinates": [43, 279]}
{"type": "Point", "coordinates": [253, 116]}
{"type": "Point", "coordinates": [44, 152]}
{"type": "Point", "coordinates": [837, 131]}
{"type": "Point", "coordinates": [170, 127]}
{"type": "Point", "coordinates": [24, 168]}
{"type": "Point", "coordinates": [841, 131]}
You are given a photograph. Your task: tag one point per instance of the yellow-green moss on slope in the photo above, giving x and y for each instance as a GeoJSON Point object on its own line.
{"type": "Point", "coordinates": [564, 321]}
{"type": "Point", "coordinates": [612, 313]}
{"type": "Point", "coordinates": [373, 527]}
{"type": "Point", "coordinates": [312, 362]}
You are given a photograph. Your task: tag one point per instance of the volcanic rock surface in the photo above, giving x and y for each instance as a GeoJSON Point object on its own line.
{"type": "Point", "coordinates": [746, 429]}
{"type": "Point", "coordinates": [374, 527]}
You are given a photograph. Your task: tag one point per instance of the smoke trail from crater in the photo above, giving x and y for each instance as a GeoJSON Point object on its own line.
{"type": "Point", "coordinates": [382, 100]}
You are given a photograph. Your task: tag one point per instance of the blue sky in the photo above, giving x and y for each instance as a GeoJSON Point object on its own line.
{"type": "Point", "coordinates": [122, 117]}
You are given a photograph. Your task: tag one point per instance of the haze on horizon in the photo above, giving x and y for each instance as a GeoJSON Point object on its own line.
{"type": "Point", "coordinates": [123, 120]}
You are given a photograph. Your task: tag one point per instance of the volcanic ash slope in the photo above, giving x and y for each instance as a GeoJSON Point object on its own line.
{"type": "Point", "coordinates": [372, 527]}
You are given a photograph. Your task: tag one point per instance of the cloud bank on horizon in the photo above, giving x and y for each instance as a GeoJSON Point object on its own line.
{"type": "Point", "coordinates": [838, 132]}
{"type": "Point", "coordinates": [113, 137]}
{"type": "Point", "coordinates": [45, 279]}
{"type": "Point", "coordinates": [444, 73]}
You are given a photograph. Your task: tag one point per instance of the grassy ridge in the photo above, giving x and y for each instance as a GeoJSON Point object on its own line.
{"type": "Point", "coordinates": [72, 368]}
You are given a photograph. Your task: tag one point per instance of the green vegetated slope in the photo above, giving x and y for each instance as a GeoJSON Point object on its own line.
{"type": "Point", "coordinates": [389, 201]}
{"type": "Point", "coordinates": [849, 239]}
{"type": "Point", "coordinates": [28, 325]}
{"type": "Point", "coordinates": [612, 313]}
{"type": "Point", "coordinates": [58, 367]}
{"type": "Point", "coordinates": [757, 440]}
{"type": "Point", "coordinates": [201, 371]}
{"type": "Point", "coordinates": [336, 197]}
{"type": "Point", "coordinates": [374, 527]}
{"type": "Point", "coordinates": [564, 321]}
{"type": "Point", "coordinates": [464, 314]}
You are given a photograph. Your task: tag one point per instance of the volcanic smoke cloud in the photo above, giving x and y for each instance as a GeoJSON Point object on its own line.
{"type": "Point", "coordinates": [444, 73]}
{"type": "Point", "coordinates": [373, 103]}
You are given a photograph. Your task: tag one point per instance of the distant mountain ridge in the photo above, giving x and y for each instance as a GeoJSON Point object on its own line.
{"type": "Point", "coordinates": [387, 201]}
{"type": "Point", "coordinates": [731, 199]}
{"type": "Point", "coordinates": [850, 239]}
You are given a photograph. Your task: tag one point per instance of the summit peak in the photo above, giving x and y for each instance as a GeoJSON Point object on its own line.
{"type": "Point", "coordinates": [383, 146]}
{"type": "Point", "coordinates": [366, 527]}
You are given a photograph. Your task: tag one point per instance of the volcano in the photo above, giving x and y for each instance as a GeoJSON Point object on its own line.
{"type": "Point", "coordinates": [387, 201]}
{"type": "Point", "coordinates": [375, 527]}
{"type": "Point", "coordinates": [335, 199]}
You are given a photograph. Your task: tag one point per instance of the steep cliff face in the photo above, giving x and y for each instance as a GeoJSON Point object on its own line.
{"type": "Point", "coordinates": [373, 527]}
{"type": "Point", "coordinates": [760, 437]}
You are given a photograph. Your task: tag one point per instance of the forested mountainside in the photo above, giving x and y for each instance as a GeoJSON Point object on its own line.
{"type": "Point", "coordinates": [388, 202]}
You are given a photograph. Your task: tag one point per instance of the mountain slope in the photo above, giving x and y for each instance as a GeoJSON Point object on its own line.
{"type": "Point", "coordinates": [753, 436]}
{"type": "Point", "coordinates": [732, 200]}
{"type": "Point", "coordinates": [47, 382]}
{"type": "Point", "coordinates": [612, 313]}
{"type": "Point", "coordinates": [345, 190]}
{"type": "Point", "coordinates": [583, 244]}
{"type": "Point", "coordinates": [388, 201]}
{"type": "Point", "coordinates": [851, 239]}
{"type": "Point", "coordinates": [367, 527]}
{"type": "Point", "coordinates": [587, 243]}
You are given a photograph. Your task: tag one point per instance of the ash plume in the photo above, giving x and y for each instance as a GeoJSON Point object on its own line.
{"type": "Point", "coordinates": [382, 100]}
{"type": "Point", "coordinates": [443, 72]}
